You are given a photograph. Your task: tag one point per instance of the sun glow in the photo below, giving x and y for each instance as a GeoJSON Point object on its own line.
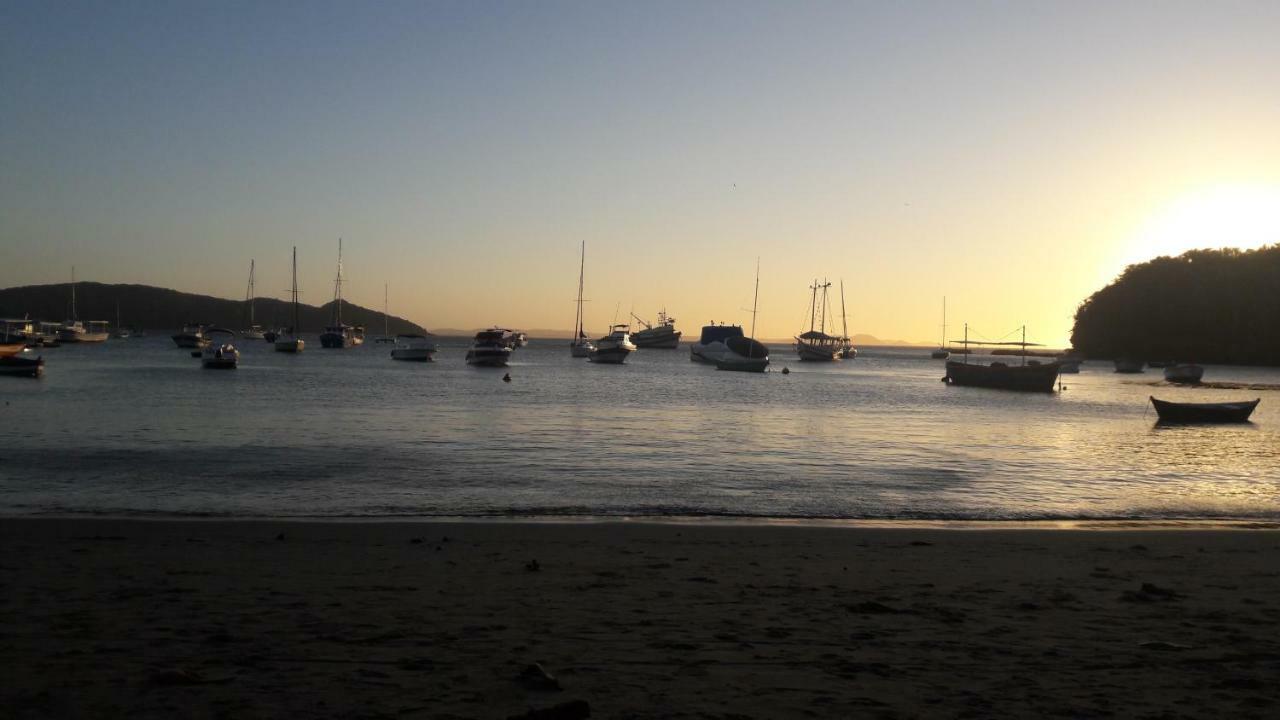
{"type": "Point", "coordinates": [1238, 216]}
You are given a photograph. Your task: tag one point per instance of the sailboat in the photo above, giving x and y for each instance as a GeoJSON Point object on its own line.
{"type": "Point", "coordinates": [815, 344]}
{"type": "Point", "coordinates": [745, 354]}
{"type": "Point", "coordinates": [121, 331]}
{"type": "Point", "coordinates": [75, 331]}
{"type": "Point", "coordinates": [290, 340]}
{"type": "Point", "coordinates": [255, 331]}
{"type": "Point", "coordinates": [339, 335]}
{"type": "Point", "coordinates": [942, 353]}
{"type": "Point", "coordinates": [385, 337]}
{"type": "Point", "coordinates": [580, 346]}
{"type": "Point", "coordinates": [1032, 376]}
{"type": "Point", "coordinates": [847, 350]}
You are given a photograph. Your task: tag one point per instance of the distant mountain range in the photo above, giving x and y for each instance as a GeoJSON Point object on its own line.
{"type": "Point", "coordinates": [153, 308]}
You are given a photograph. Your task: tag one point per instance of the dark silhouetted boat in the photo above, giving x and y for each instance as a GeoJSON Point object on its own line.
{"type": "Point", "coordinates": [21, 365]}
{"type": "Point", "coordinates": [490, 348]}
{"type": "Point", "coordinates": [1129, 366]}
{"type": "Point", "coordinates": [1030, 376]}
{"type": "Point", "coordinates": [339, 335]}
{"type": "Point", "coordinates": [815, 345]}
{"type": "Point", "coordinates": [1184, 373]}
{"type": "Point", "coordinates": [663, 335]}
{"type": "Point", "coordinates": [745, 354]}
{"type": "Point", "coordinates": [1222, 412]}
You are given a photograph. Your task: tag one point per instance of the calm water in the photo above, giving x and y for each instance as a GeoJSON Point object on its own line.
{"type": "Point", "coordinates": [137, 426]}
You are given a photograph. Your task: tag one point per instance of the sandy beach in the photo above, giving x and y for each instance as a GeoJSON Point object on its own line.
{"type": "Point", "coordinates": [241, 619]}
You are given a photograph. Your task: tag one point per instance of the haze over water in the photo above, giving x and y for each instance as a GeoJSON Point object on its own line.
{"type": "Point", "coordinates": [137, 427]}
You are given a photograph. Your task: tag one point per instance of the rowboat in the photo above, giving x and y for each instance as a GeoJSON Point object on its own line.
{"type": "Point", "coordinates": [1222, 412]}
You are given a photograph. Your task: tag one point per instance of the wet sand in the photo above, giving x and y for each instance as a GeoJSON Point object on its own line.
{"type": "Point", "coordinates": [119, 618]}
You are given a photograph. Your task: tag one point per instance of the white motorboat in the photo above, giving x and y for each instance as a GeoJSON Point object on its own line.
{"type": "Point", "coordinates": [1184, 373]}
{"type": "Point", "coordinates": [711, 347]}
{"type": "Point", "coordinates": [219, 354]}
{"type": "Point", "coordinates": [288, 339]}
{"type": "Point", "coordinates": [490, 348]}
{"type": "Point", "coordinates": [613, 349]}
{"type": "Point", "coordinates": [414, 348]}
{"type": "Point", "coordinates": [580, 346]}
{"type": "Point", "coordinates": [815, 344]}
{"type": "Point", "coordinates": [662, 335]}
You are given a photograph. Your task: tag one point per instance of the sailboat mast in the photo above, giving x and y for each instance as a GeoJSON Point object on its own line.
{"type": "Point", "coordinates": [582, 267]}
{"type": "Point", "coordinates": [248, 293]}
{"type": "Point", "coordinates": [944, 322]}
{"type": "Point", "coordinates": [813, 306]}
{"type": "Point", "coordinates": [754, 299]}
{"type": "Point", "coordinates": [337, 289]}
{"type": "Point", "coordinates": [295, 291]}
{"type": "Point", "coordinates": [844, 322]}
{"type": "Point", "coordinates": [73, 293]}
{"type": "Point", "coordinates": [385, 321]}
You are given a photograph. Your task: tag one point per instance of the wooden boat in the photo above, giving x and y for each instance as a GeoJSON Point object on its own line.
{"type": "Point", "coordinates": [1030, 376]}
{"type": "Point", "coordinates": [1222, 412]}
{"type": "Point", "coordinates": [745, 354]}
{"type": "Point", "coordinates": [815, 345]}
{"type": "Point", "coordinates": [289, 339]}
{"type": "Point", "coordinates": [1129, 366]}
{"type": "Point", "coordinates": [19, 365]}
{"type": "Point", "coordinates": [1184, 373]}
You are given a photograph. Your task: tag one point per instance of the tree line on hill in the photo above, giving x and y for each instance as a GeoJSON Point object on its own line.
{"type": "Point", "coordinates": [1208, 306]}
{"type": "Point", "coordinates": [152, 308]}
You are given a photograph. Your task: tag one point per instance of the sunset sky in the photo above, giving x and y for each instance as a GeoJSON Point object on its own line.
{"type": "Point", "coordinates": [1010, 156]}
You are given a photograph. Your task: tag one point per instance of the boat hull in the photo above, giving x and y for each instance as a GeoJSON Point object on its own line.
{"type": "Point", "coordinates": [581, 350]}
{"type": "Point", "coordinates": [1229, 412]}
{"type": "Point", "coordinates": [70, 336]}
{"type": "Point", "coordinates": [487, 357]}
{"type": "Point", "coordinates": [609, 356]}
{"type": "Point", "coordinates": [19, 366]}
{"type": "Point", "coordinates": [1184, 374]}
{"type": "Point", "coordinates": [289, 345]}
{"type": "Point", "coordinates": [413, 354]}
{"type": "Point", "coordinates": [940, 354]}
{"type": "Point", "coordinates": [657, 339]}
{"type": "Point", "coordinates": [336, 341]}
{"type": "Point", "coordinates": [816, 353]}
{"type": "Point", "coordinates": [1024, 378]}
{"type": "Point", "coordinates": [195, 342]}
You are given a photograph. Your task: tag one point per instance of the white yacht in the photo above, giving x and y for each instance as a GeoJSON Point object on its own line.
{"type": "Point", "coordinates": [613, 349]}
{"type": "Point", "coordinates": [416, 348]}
{"type": "Point", "coordinates": [490, 348]}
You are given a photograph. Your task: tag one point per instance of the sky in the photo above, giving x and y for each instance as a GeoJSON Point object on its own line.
{"type": "Point", "coordinates": [1012, 157]}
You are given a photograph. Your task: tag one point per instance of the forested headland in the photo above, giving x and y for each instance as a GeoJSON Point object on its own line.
{"type": "Point", "coordinates": [1208, 306]}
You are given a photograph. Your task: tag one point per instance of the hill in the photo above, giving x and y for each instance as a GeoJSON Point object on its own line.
{"type": "Point", "coordinates": [1213, 306]}
{"type": "Point", "coordinates": [161, 309]}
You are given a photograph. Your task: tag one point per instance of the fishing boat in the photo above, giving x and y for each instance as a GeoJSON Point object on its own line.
{"type": "Point", "coordinates": [192, 336]}
{"type": "Point", "coordinates": [1030, 376]}
{"type": "Point", "coordinates": [289, 339]}
{"type": "Point", "coordinates": [219, 354]}
{"type": "Point", "coordinates": [414, 348]}
{"type": "Point", "coordinates": [15, 337]}
{"type": "Point", "coordinates": [580, 346]}
{"type": "Point", "coordinates": [815, 345]}
{"type": "Point", "coordinates": [942, 353]}
{"type": "Point", "coordinates": [745, 354]}
{"type": "Point", "coordinates": [613, 349]}
{"type": "Point", "coordinates": [21, 364]}
{"type": "Point", "coordinates": [489, 348]}
{"type": "Point", "coordinates": [662, 335]}
{"type": "Point", "coordinates": [254, 331]}
{"type": "Point", "coordinates": [1220, 412]}
{"type": "Point", "coordinates": [385, 337]}
{"type": "Point", "coordinates": [1184, 373]}
{"type": "Point", "coordinates": [339, 335]}
{"type": "Point", "coordinates": [847, 350]}
{"type": "Point", "coordinates": [1129, 366]}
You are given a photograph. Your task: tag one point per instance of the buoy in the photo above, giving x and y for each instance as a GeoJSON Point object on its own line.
{"type": "Point", "coordinates": [506, 378]}
{"type": "Point", "coordinates": [786, 371]}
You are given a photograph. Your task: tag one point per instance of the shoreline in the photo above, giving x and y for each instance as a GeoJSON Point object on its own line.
{"type": "Point", "coordinates": [444, 620]}
{"type": "Point", "coordinates": [1072, 524]}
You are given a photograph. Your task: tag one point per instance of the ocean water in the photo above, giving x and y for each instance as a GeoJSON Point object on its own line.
{"type": "Point", "coordinates": [137, 427]}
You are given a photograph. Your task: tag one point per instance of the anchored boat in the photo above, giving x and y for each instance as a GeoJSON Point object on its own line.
{"type": "Point", "coordinates": [1030, 376]}
{"type": "Point", "coordinates": [489, 348]}
{"type": "Point", "coordinates": [613, 349]}
{"type": "Point", "coordinates": [339, 335]}
{"type": "Point", "coordinates": [745, 354]}
{"type": "Point", "coordinates": [662, 335]}
{"type": "Point", "coordinates": [289, 339]}
{"type": "Point", "coordinates": [1221, 412]}
{"type": "Point", "coordinates": [580, 346]}
{"type": "Point", "coordinates": [414, 348]}
{"type": "Point", "coordinates": [815, 345]}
